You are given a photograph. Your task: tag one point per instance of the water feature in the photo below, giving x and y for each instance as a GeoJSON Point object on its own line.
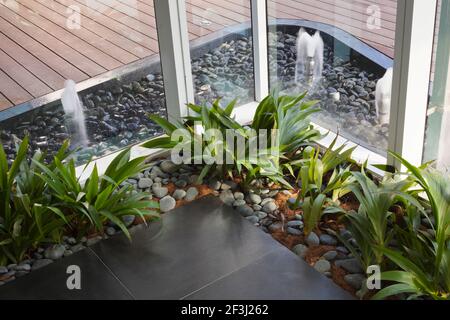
{"type": "Point", "coordinates": [115, 116]}
{"type": "Point", "coordinates": [345, 87]}
{"type": "Point", "coordinates": [309, 63]}
{"type": "Point", "coordinates": [383, 97]}
{"type": "Point", "coordinates": [73, 110]}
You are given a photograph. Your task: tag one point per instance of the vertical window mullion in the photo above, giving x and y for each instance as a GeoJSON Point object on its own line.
{"type": "Point", "coordinates": [412, 68]}
{"type": "Point", "coordinates": [260, 52]}
{"type": "Point", "coordinates": [175, 57]}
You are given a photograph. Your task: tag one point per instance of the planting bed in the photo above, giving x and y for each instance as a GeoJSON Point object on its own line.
{"type": "Point", "coordinates": [329, 186]}
{"type": "Point", "coordinates": [266, 208]}
{"type": "Point", "coordinates": [265, 205]}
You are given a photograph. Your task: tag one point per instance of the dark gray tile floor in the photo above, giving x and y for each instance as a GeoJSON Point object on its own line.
{"type": "Point", "coordinates": [49, 282]}
{"type": "Point", "coordinates": [203, 250]}
{"type": "Point", "coordinates": [277, 275]}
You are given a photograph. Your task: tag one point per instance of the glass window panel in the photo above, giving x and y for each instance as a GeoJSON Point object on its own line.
{"type": "Point", "coordinates": [221, 50]}
{"type": "Point", "coordinates": [438, 121]}
{"type": "Point", "coordinates": [340, 52]}
{"type": "Point", "coordinates": [108, 47]}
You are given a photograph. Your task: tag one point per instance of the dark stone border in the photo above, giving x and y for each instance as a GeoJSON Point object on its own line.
{"type": "Point", "coordinates": [199, 46]}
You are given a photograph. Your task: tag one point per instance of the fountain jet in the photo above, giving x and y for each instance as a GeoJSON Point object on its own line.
{"type": "Point", "coordinates": [309, 64]}
{"type": "Point", "coordinates": [383, 97]}
{"type": "Point", "coordinates": [73, 110]}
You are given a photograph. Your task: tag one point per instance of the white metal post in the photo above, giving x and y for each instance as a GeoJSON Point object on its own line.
{"type": "Point", "coordinates": [175, 57]}
{"type": "Point", "coordinates": [260, 52]}
{"type": "Point", "coordinates": [412, 68]}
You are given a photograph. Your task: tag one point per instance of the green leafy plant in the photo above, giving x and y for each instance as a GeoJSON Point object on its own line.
{"type": "Point", "coordinates": [288, 114]}
{"type": "Point", "coordinates": [209, 118]}
{"type": "Point", "coordinates": [424, 258]}
{"type": "Point", "coordinates": [313, 209]}
{"type": "Point", "coordinates": [100, 198]}
{"type": "Point", "coordinates": [316, 197]}
{"type": "Point", "coordinates": [27, 219]}
{"type": "Point", "coordinates": [370, 225]}
{"type": "Point", "coordinates": [291, 116]}
{"type": "Point", "coordinates": [316, 167]}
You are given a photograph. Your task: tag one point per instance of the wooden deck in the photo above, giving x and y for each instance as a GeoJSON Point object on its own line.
{"type": "Point", "coordinates": [38, 50]}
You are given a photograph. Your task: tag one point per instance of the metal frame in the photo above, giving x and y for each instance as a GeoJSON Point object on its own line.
{"type": "Point", "coordinates": [175, 58]}
{"type": "Point", "coordinates": [410, 88]}
{"type": "Point", "coordinates": [260, 49]}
